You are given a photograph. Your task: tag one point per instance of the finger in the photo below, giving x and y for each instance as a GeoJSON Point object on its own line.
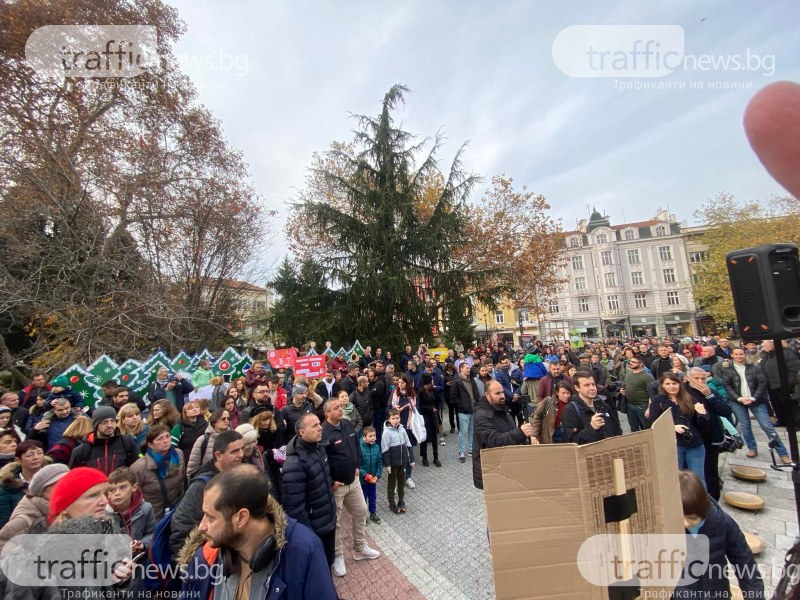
{"type": "Point", "coordinates": [772, 124]}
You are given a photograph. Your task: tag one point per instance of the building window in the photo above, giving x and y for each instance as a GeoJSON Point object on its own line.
{"type": "Point", "coordinates": [698, 257]}
{"type": "Point", "coordinates": [665, 252]}
{"type": "Point", "coordinates": [661, 231]}
{"type": "Point", "coordinates": [672, 299]}
{"type": "Point", "coordinates": [605, 258]}
{"type": "Point", "coordinates": [629, 234]}
{"type": "Point", "coordinates": [577, 263]}
{"type": "Point", "coordinates": [583, 305]}
{"type": "Point", "coordinates": [637, 278]}
{"type": "Point", "coordinates": [553, 306]}
{"type": "Point", "coordinates": [669, 275]}
{"type": "Point", "coordinates": [602, 238]}
{"type": "Point", "coordinates": [524, 315]}
{"type": "Point", "coordinates": [641, 300]}
{"type": "Point", "coordinates": [610, 280]}
{"type": "Point", "coordinates": [633, 257]}
{"type": "Point", "coordinates": [580, 284]}
{"type": "Point", "coordinates": [613, 302]}
{"type": "Point", "coordinates": [695, 279]}
{"type": "Point", "coordinates": [499, 318]}
{"type": "Point", "coordinates": [573, 242]}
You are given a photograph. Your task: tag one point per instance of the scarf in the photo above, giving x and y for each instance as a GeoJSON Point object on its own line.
{"type": "Point", "coordinates": [164, 466]}
{"type": "Point", "coordinates": [348, 410]}
{"type": "Point", "coordinates": [136, 502]}
{"type": "Point", "coordinates": [412, 401]}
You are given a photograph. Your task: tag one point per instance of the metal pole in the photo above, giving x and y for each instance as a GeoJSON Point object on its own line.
{"type": "Point", "coordinates": [788, 411]}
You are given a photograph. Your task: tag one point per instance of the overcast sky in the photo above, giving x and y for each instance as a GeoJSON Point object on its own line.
{"type": "Point", "coordinates": [283, 78]}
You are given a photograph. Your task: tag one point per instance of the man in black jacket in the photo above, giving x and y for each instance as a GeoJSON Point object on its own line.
{"type": "Point", "coordinates": [662, 361]}
{"type": "Point", "coordinates": [328, 387]}
{"type": "Point", "coordinates": [377, 395]}
{"type": "Point", "coordinates": [344, 459]}
{"type": "Point", "coordinates": [588, 418]}
{"type": "Point", "coordinates": [105, 449]}
{"type": "Point", "coordinates": [307, 483]}
{"type": "Point", "coordinates": [494, 427]}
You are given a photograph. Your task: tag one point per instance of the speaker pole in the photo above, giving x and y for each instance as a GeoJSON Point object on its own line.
{"type": "Point", "coordinates": [789, 414]}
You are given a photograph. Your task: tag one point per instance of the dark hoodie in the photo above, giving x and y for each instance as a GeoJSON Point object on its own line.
{"type": "Point", "coordinates": [308, 487]}
{"type": "Point", "coordinates": [105, 454]}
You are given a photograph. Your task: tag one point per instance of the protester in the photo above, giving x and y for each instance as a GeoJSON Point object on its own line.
{"type": "Point", "coordinates": [262, 546]}
{"type": "Point", "coordinates": [396, 454]}
{"type": "Point", "coordinates": [105, 448]}
{"type": "Point", "coordinates": [548, 415]}
{"type": "Point", "coordinates": [494, 427]}
{"type": "Point", "coordinates": [14, 477]}
{"type": "Point", "coordinates": [159, 472]}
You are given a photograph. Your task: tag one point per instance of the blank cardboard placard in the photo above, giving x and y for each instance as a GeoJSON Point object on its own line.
{"type": "Point", "coordinates": [543, 502]}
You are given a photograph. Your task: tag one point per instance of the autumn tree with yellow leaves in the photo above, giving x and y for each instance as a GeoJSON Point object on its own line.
{"type": "Point", "coordinates": [731, 225]}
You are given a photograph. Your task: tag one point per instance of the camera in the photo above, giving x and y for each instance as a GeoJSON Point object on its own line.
{"type": "Point", "coordinates": [600, 409]}
{"type": "Point", "coordinates": [687, 436]}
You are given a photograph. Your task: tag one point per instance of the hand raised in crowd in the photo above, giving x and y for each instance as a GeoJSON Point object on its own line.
{"type": "Point", "coordinates": [700, 408]}
{"type": "Point", "coordinates": [597, 422]}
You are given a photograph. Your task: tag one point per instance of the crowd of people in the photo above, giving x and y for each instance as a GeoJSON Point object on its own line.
{"type": "Point", "coordinates": [167, 470]}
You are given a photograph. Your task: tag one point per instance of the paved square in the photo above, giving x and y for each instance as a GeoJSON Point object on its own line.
{"type": "Point", "coordinates": [439, 549]}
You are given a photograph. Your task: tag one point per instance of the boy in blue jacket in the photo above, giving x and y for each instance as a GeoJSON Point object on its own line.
{"type": "Point", "coordinates": [370, 470]}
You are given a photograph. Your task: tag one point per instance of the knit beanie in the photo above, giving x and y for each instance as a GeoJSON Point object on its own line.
{"type": "Point", "coordinates": [61, 381]}
{"type": "Point", "coordinates": [71, 487]}
{"type": "Point", "coordinates": [45, 477]}
{"type": "Point", "coordinates": [100, 414]}
{"type": "Point", "coordinates": [248, 432]}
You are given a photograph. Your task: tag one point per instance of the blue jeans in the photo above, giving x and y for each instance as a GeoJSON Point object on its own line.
{"type": "Point", "coordinates": [464, 431]}
{"type": "Point", "coordinates": [636, 418]}
{"type": "Point", "coordinates": [762, 416]}
{"type": "Point", "coordinates": [370, 490]}
{"type": "Point", "coordinates": [693, 459]}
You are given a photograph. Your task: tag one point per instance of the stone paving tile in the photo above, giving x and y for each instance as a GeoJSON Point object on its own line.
{"type": "Point", "coordinates": [439, 549]}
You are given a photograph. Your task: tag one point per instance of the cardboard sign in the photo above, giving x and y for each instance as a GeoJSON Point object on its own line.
{"type": "Point", "coordinates": [310, 366]}
{"type": "Point", "coordinates": [283, 358]}
{"type": "Point", "coordinates": [543, 502]}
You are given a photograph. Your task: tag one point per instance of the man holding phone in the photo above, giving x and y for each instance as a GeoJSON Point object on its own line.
{"type": "Point", "coordinates": [588, 417]}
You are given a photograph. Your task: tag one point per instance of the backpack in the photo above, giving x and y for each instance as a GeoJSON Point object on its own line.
{"type": "Point", "coordinates": [159, 553]}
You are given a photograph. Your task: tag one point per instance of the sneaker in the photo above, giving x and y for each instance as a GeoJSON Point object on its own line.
{"type": "Point", "coordinates": [425, 462]}
{"type": "Point", "coordinates": [338, 566]}
{"type": "Point", "coordinates": [374, 518]}
{"type": "Point", "coordinates": [436, 462]}
{"type": "Point", "coordinates": [410, 484]}
{"type": "Point", "coordinates": [751, 453]}
{"type": "Point", "coordinates": [366, 553]}
{"type": "Point", "coordinates": [787, 460]}
{"type": "Point", "coordinates": [461, 458]}
{"type": "Point", "coordinates": [452, 430]}
{"type": "Point", "coordinates": [401, 506]}
{"type": "Point", "coordinates": [442, 442]}
{"type": "Point", "coordinates": [393, 508]}
{"type": "Point", "coordinates": [469, 453]}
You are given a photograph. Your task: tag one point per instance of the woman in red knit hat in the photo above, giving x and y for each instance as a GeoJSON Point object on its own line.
{"type": "Point", "coordinates": [80, 493]}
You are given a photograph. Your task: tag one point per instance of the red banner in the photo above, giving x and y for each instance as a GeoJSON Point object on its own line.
{"type": "Point", "coordinates": [283, 358]}
{"type": "Point", "coordinates": [310, 366]}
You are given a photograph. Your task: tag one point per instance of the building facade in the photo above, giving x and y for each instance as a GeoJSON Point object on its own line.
{"type": "Point", "coordinates": [631, 279]}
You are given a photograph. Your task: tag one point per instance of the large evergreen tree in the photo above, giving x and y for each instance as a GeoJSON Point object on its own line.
{"type": "Point", "coordinates": [391, 261]}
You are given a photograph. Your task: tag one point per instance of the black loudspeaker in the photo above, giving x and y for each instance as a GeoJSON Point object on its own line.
{"type": "Point", "coordinates": [765, 282]}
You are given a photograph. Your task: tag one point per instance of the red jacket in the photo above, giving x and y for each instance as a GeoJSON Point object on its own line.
{"type": "Point", "coordinates": [27, 396]}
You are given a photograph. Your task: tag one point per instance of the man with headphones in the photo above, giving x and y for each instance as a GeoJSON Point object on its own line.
{"type": "Point", "coordinates": [252, 550]}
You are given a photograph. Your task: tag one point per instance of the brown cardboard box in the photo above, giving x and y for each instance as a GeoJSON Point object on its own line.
{"type": "Point", "coordinates": [543, 502]}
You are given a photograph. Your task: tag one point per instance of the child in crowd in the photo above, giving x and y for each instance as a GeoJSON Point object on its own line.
{"type": "Point", "coordinates": [370, 470]}
{"type": "Point", "coordinates": [133, 514]}
{"type": "Point", "coordinates": [396, 451]}
{"type": "Point", "coordinates": [726, 543]}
